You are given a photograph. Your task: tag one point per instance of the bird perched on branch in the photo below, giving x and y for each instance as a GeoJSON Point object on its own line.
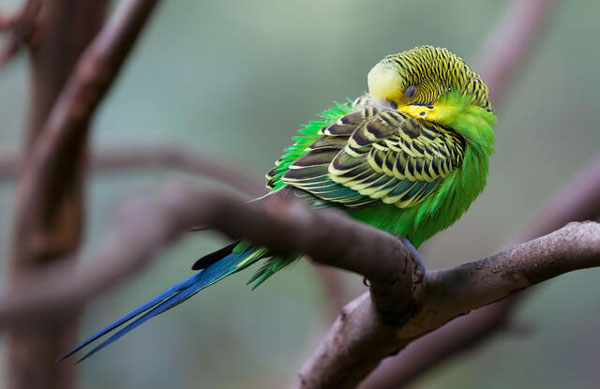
{"type": "Point", "coordinates": [408, 157]}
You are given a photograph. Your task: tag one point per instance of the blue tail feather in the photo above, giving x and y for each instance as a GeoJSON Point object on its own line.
{"type": "Point", "coordinates": [139, 310]}
{"type": "Point", "coordinates": [162, 307]}
{"type": "Point", "coordinates": [171, 297]}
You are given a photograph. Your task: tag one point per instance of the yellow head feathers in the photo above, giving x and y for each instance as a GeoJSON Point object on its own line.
{"type": "Point", "coordinates": [424, 74]}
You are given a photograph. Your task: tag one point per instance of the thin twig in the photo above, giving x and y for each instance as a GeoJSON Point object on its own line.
{"type": "Point", "coordinates": [511, 43]}
{"type": "Point", "coordinates": [20, 26]}
{"type": "Point", "coordinates": [160, 155]}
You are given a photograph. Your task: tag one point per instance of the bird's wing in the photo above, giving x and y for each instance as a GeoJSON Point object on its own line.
{"type": "Point", "coordinates": [377, 154]}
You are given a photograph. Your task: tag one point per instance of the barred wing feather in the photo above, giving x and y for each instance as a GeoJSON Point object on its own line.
{"type": "Point", "coordinates": [377, 154]}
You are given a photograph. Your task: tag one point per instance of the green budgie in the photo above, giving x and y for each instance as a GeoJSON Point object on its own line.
{"type": "Point", "coordinates": [409, 157]}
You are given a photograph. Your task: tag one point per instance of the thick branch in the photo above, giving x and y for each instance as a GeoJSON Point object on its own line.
{"type": "Point", "coordinates": [29, 352]}
{"type": "Point", "coordinates": [359, 340]}
{"type": "Point", "coordinates": [146, 225]}
{"type": "Point", "coordinates": [48, 220]}
{"type": "Point", "coordinates": [51, 161]}
{"type": "Point", "coordinates": [459, 290]}
{"type": "Point", "coordinates": [53, 57]}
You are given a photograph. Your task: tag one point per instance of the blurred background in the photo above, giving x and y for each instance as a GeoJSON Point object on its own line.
{"type": "Point", "coordinates": [237, 78]}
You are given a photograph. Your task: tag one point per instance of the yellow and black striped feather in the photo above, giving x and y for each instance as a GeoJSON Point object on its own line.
{"type": "Point", "coordinates": [377, 154]}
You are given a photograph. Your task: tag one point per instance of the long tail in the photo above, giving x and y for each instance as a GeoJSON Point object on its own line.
{"type": "Point", "coordinates": [214, 270]}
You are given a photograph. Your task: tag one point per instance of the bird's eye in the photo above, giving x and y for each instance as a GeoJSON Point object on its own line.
{"type": "Point", "coordinates": [392, 104]}
{"type": "Point", "coordinates": [410, 92]}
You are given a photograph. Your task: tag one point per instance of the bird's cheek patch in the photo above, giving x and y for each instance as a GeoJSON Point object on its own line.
{"type": "Point", "coordinates": [438, 113]}
{"type": "Point", "coordinates": [426, 112]}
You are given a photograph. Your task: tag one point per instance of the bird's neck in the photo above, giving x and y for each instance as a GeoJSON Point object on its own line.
{"type": "Point", "coordinates": [458, 112]}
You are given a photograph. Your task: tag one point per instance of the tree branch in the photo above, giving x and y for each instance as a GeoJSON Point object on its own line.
{"type": "Point", "coordinates": [146, 224]}
{"type": "Point", "coordinates": [472, 285]}
{"type": "Point", "coordinates": [30, 352]}
{"type": "Point", "coordinates": [360, 339]}
{"type": "Point", "coordinates": [49, 212]}
{"type": "Point", "coordinates": [511, 43]}
{"type": "Point", "coordinates": [159, 155]}
{"type": "Point", "coordinates": [51, 158]}
{"type": "Point", "coordinates": [21, 26]}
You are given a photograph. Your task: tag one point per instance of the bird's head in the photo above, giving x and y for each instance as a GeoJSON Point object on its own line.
{"type": "Point", "coordinates": [424, 74]}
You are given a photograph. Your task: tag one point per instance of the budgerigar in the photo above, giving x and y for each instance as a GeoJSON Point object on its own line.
{"type": "Point", "coordinates": [408, 157]}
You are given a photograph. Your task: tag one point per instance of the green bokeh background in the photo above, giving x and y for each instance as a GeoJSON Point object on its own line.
{"type": "Point", "coordinates": [237, 78]}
